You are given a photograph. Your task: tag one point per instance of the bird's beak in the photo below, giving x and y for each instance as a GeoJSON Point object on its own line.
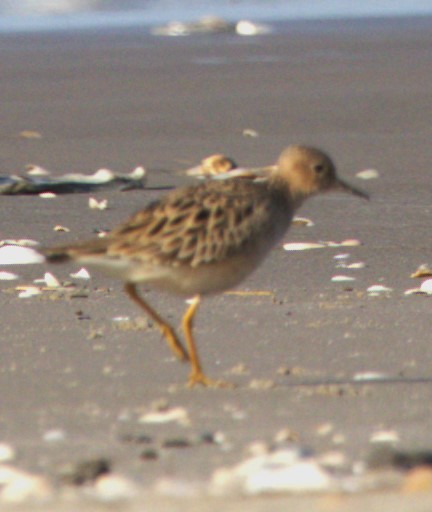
{"type": "Point", "coordinates": [342, 186]}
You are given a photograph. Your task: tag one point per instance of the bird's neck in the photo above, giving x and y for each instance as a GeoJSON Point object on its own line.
{"type": "Point", "coordinates": [292, 196]}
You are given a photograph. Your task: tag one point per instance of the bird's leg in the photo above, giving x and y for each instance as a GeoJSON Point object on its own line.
{"type": "Point", "coordinates": [166, 329]}
{"type": "Point", "coordinates": [196, 375]}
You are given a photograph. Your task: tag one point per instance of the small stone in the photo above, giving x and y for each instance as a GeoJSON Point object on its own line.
{"type": "Point", "coordinates": [86, 471]}
{"type": "Point", "coordinates": [149, 454]}
{"type": "Point", "coordinates": [179, 442]}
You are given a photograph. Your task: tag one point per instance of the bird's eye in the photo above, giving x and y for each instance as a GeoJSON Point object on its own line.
{"type": "Point", "coordinates": [319, 168]}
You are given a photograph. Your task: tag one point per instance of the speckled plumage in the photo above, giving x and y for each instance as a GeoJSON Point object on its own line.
{"type": "Point", "coordinates": [207, 238]}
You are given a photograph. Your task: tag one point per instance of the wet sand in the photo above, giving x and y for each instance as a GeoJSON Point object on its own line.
{"type": "Point", "coordinates": [360, 90]}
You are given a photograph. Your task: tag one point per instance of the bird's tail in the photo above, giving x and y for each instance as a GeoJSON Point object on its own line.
{"type": "Point", "coordinates": [82, 250]}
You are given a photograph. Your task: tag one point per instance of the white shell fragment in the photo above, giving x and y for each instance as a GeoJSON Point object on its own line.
{"type": "Point", "coordinates": [61, 229]}
{"type": "Point", "coordinates": [94, 204]}
{"type": "Point", "coordinates": [378, 289]}
{"type": "Point", "coordinates": [384, 436]}
{"type": "Point", "coordinates": [280, 471]}
{"type": "Point", "coordinates": [36, 170]}
{"type": "Point", "coordinates": [54, 435]}
{"type": "Point", "coordinates": [47, 195]}
{"type": "Point", "coordinates": [249, 28]}
{"type": "Point", "coordinates": [356, 265]}
{"type": "Point", "coordinates": [18, 255]}
{"type": "Point", "coordinates": [249, 132]}
{"type": "Point", "coordinates": [302, 221]}
{"type": "Point", "coordinates": [177, 414]}
{"type": "Point", "coordinates": [110, 488]}
{"type": "Point", "coordinates": [28, 292]}
{"type": "Point", "coordinates": [368, 174]}
{"type": "Point", "coordinates": [302, 246]}
{"type": "Point", "coordinates": [22, 242]}
{"type": "Point", "coordinates": [351, 242]}
{"type": "Point", "coordinates": [51, 281]}
{"type": "Point", "coordinates": [19, 486]}
{"type": "Point", "coordinates": [7, 452]}
{"type": "Point", "coordinates": [8, 276]}
{"type": "Point", "coordinates": [369, 376]}
{"type": "Point", "coordinates": [426, 286]}
{"type": "Point", "coordinates": [81, 274]}
{"type": "Point", "coordinates": [340, 279]}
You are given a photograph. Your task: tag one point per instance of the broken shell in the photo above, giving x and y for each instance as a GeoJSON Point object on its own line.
{"type": "Point", "coordinates": [18, 255]}
{"type": "Point", "coordinates": [30, 134]}
{"type": "Point", "coordinates": [248, 132]}
{"type": "Point", "coordinates": [356, 265]}
{"type": "Point", "coordinates": [376, 289]}
{"type": "Point", "coordinates": [81, 274]}
{"type": "Point", "coordinates": [302, 221]}
{"type": "Point", "coordinates": [178, 414]}
{"type": "Point", "coordinates": [423, 271]}
{"type": "Point", "coordinates": [369, 376]}
{"type": "Point", "coordinates": [47, 195]}
{"type": "Point", "coordinates": [22, 242]}
{"type": "Point", "coordinates": [249, 28]}
{"type": "Point", "coordinates": [26, 292]}
{"type": "Point", "coordinates": [368, 174]}
{"type": "Point", "coordinates": [61, 229]}
{"type": "Point", "coordinates": [8, 276]}
{"type": "Point", "coordinates": [36, 170]}
{"type": "Point", "coordinates": [426, 286]}
{"type": "Point", "coordinates": [51, 281]}
{"type": "Point", "coordinates": [94, 204]}
{"type": "Point", "coordinates": [351, 242]}
{"type": "Point", "coordinates": [302, 246]}
{"type": "Point", "coordinates": [338, 279]}
{"type": "Point", "coordinates": [384, 436]}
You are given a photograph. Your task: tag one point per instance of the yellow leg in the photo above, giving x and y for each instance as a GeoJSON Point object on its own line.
{"type": "Point", "coordinates": [196, 375]}
{"type": "Point", "coordinates": [166, 329]}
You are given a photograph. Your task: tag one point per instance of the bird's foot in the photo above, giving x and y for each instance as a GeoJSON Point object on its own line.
{"type": "Point", "coordinates": [201, 379]}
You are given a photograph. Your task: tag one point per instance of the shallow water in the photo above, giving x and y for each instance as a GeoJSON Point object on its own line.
{"type": "Point", "coordinates": [38, 15]}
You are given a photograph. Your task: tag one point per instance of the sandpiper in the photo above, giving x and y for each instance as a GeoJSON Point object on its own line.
{"type": "Point", "coordinates": [205, 239]}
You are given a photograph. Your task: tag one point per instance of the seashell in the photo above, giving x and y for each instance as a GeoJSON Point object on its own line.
{"type": "Point", "coordinates": [36, 170]}
{"type": "Point", "coordinates": [368, 174]}
{"type": "Point", "coordinates": [248, 132]}
{"type": "Point", "coordinates": [426, 286]}
{"type": "Point", "coordinates": [81, 274]}
{"type": "Point", "coordinates": [18, 255]}
{"type": "Point", "coordinates": [302, 221]}
{"type": "Point", "coordinates": [177, 414]}
{"type": "Point", "coordinates": [302, 246]}
{"type": "Point", "coordinates": [94, 204]}
{"type": "Point", "coordinates": [340, 279]}
{"type": "Point", "coordinates": [30, 134]}
{"type": "Point", "coordinates": [351, 242]}
{"type": "Point", "coordinates": [8, 276]}
{"type": "Point", "coordinates": [422, 271]}
{"type": "Point", "coordinates": [369, 376]}
{"type": "Point", "coordinates": [47, 195]}
{"type": "Point", "coordinates": [28, 292]}
{"type": "Point", "coordinates": [384, 436]}
{"type": "Point", "coordinates": [376, 289]}
{"type": "Point", "coordinates": [51, 281]}
{"type": "Point", "coordinates": [62, 229]}
{"type": "Point", "coordinates": [249, 28]}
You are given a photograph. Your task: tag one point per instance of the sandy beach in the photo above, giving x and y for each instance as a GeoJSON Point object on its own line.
{"type": "Point", "coordinates": [308, 353]}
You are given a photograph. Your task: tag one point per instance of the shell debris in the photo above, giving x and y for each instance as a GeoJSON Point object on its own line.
{"type": "Point", "coordinates": [378, 289]}
{"type": "Point", "coordinates": [19, 255]}
{"type": "Point", "coordinates": [368, 174]}
{"type": "Point", "coordinates": [8, 276]}
{"type": "Point", "coordinates": [30, 134]}
{"type": "Point", "coordinates": [302, 221]}
{"type": "Point", "coordinates": [81, 274]}
{"type": "Point", "coordinates": [302, 246]}
{"type": "Point", "coordinates": [26, 292]}
{"type": "Point", "coordinates": [177, 414]}
{"type": "Point", "coordinates": [249, 132]}
{"type": "Point", "coordinates": [47, 195]}
{"type": "Point", "coordinates": [61, 229]}
{"type": "Point", "coordinates": [94, 204]}
{"type": "Point", "coordinates": [341, 279]}
{"type": "Point", "coordinates": [51, 281]}
{"type": "Point", "coordinates": [36, 170]}
{"type": "Point", "coordinates": [424, 270]}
